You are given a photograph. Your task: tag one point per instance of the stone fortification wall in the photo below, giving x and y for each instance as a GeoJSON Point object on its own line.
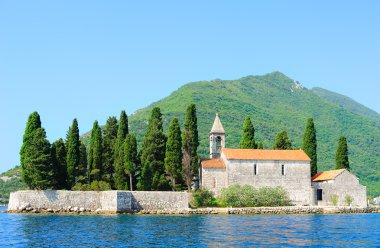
{"type": "Point", "coordinates": [91, 201]}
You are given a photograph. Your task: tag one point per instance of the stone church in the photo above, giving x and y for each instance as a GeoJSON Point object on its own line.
{"type": "Point", "coordinates": [289, 169]}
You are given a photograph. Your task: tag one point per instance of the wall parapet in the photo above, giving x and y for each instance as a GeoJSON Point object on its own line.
{"type": "Point", "coordinates": [93, 201]}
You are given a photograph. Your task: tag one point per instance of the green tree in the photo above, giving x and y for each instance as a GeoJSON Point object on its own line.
{"type": "Point", "coordinates": [130, 157]}
{"type": "Point", "coordinates": [82, 164]}
{"type": "Point", "coordinates": [341, 157]}
{"type": "Point", "coordinates": [120, 177]}
{"type": "Point", "coordinates": [58, 157]}
{"type": "Point", "coordinates": [309, 145]}
{"type": "Point", "coordinates": [173, 155]}
{"type": "Point", "coordinates": [73, 153]}
{"type": "Point", "coordinates": [34, 123]}
{"type": "Point", "coordinates": [282, 141]}
{"type": "Point", "coordinates": [190, 145]}
{"type": "Point", "coordinates": [40, 161]}
{"type": "Point", "coordinates": [95, 156]}
{"type": "Point", "coordinates": [248, 138]}
{"type": "Point", "coordinates": [153, 155]}
{"type": "Point", "coordinates": [109, 141]}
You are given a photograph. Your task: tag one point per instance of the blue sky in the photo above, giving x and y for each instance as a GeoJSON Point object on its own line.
{"type": "Point", "coordinates": [91, 59]}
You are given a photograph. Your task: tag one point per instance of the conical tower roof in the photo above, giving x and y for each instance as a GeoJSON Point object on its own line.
{"type": "Point", "coordinates": [217, 127]}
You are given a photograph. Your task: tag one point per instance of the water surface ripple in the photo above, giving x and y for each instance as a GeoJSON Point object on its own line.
{"type": "Point", "coordinates": [333, 230]}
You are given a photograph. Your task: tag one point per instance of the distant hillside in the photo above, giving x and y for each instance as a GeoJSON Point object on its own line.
{"type": "Point", "coordinates": [276, 102]}
{"type": "Point", "coordinates": [10, 182]}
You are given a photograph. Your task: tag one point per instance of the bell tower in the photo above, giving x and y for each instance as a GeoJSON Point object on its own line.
{"type": "Point", "coordinates": [217, 138]}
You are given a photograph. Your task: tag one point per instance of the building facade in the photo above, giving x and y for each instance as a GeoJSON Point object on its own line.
{"type": "Point", "coordinates": [289, 169]}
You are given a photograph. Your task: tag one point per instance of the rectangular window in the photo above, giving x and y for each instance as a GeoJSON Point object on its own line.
{"type": "Point", "coordinates": [319, 194]}
{"type": "Point", "coordinates": [283, 170]}
{"type": "Point", "coordinates": [255, 169]}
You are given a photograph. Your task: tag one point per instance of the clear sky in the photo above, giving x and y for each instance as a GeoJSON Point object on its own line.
{"type": "Point", "coordinates": [92, 59]}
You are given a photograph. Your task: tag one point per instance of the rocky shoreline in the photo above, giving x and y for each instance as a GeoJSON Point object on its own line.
{"type": "Point", "coordinates": [201, 211]}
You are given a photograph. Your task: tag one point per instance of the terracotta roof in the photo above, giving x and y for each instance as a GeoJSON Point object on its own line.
{"type": "Point", "coordinates": [217, 127]}
{"type": "Point", "coordinates": [216, 163]}
{"type": "Point", "coordinates": [256, 154]}
{"type": "Point", "coordinates": [326, 175]}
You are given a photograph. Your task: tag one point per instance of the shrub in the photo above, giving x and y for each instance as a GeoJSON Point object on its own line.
{"type": "Point", "coordinates": [334, 199]}
{"type": "Point", "coordinates": [248, 196]}
{"type": "Point", "coordinates": [203, 198]}
{"type": "Point", "coordinates": [95, 186]}
{"type": "Point", "coordinates": [348, 200]}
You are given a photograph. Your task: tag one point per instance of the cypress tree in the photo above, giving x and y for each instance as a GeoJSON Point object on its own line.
{"type": "Point", "coordinates": [73, 153]}
{"type": "Point", "coordinates": [58, 157]}
{"type": "Point", "coordinates": [309, 145]}
{"type": "Point", "coordinates": [248, 138]}
{"type": "Point", "coordinates": [34, 123]}
{"type": "Point", "coordinates": [341, 157]}
{"type": "Point", "coordinates": [82, 164]}
{"type": "Point", "coordinates": [282, 141]}
{"type": "Point", "coordinates": [95, 156]}
{"type": "Point", "coordinates": [153, 155]}
{"type": "Point", "coordinates": [120, 177]}
{"type": "Point", "coordinates": [109, 141]}
{"type": "Point", "coordinates": [190, 146]}
{"type": "Point", "coordinates": [173, 155]}
{"type": "Point", "coordinates": [38, 159]}
{"type": "Point", "coordinates": [130, 157]}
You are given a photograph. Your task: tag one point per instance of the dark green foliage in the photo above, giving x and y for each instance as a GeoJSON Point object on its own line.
{"type": "Point", "coordinates": [95, 154]}
{"type": "Point", "coordinates": [173, 155]}
{"type": "Point", "coordinates": [153, 155]}
{"type": "Point", "coordinates": [309, 145]}
{"type": "Point", "coordinates": [73, 153]}
{"type": "Point", "coordinates": [38, 160]}
{"type": "Point", "coordinates": [190, 144]}
{"type": "Point", "coordinates": [282, 141]}
{"type": "Point", "coordinates": [248, 196]}
{"type": "Point", "coordinates": [248, 137]}
{"type": "Point", "coordinates": [34, 122]}
{"type": "Point", "coordinates": [82, 170]}
{"type": "Point", "coordinates": [120, 177]}
{"type": "Point", "coordinates": [58, 158]}
{"type": "Point", "coordinates": [203, 198]}
{"type": "Point", "coordinates": [109, 144]}
{"type": "Point", "coordinates": [341, 158]}
{"type": "Point", "coordinates": [130, 158]}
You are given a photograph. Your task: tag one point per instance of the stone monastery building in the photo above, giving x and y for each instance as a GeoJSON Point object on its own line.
{"type": "Point", "coordinates": [289, 169]}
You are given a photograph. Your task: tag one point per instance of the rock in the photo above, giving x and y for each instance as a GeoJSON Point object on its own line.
{"type": "Point", "coordinates": [75, 209]}
{"type": "Point", "coordinates": [69, 208]}
{"type": "Point", "coordinates": [49, 210]}
{"type": "Point", "coordinates": [98, 210]}
{"type": "Point", "coordinates": [81, 209]}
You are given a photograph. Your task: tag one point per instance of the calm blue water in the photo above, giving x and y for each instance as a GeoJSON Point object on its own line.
{"type": "Point", "coordinates": [28, 230]}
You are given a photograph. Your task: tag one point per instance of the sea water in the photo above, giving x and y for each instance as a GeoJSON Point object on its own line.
{"type": "Point", "coordinates": [329, 230]}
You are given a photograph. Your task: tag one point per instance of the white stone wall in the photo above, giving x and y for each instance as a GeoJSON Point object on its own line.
{"type": "Point", "coordinates": [112, 201]}
{"type": "Point", "coordinates": [159, 200]}
{"type": "Point", "coordinates": [214, 180]}
{"type": "Point", "coordinates": [296, 178]}
{"type": "Point", "coordinates": [346, 184]}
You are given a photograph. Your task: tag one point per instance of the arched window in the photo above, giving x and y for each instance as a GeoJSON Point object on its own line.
{"type": "Point", "coordinates": [218, 143]}
{"type": "Point", "coordinates": [282, 169]}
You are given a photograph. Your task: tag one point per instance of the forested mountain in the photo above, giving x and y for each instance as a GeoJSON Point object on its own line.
{"type": "Point", "coordinates": [275, 103]}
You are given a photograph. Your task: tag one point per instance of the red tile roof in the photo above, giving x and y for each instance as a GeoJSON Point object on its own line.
{"type": "Point", "coordinates": [216, 163]}
{"type": "Point", "coordinates": [255, 154]}
{"type": "Point", "coordinates": [326, 175]}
